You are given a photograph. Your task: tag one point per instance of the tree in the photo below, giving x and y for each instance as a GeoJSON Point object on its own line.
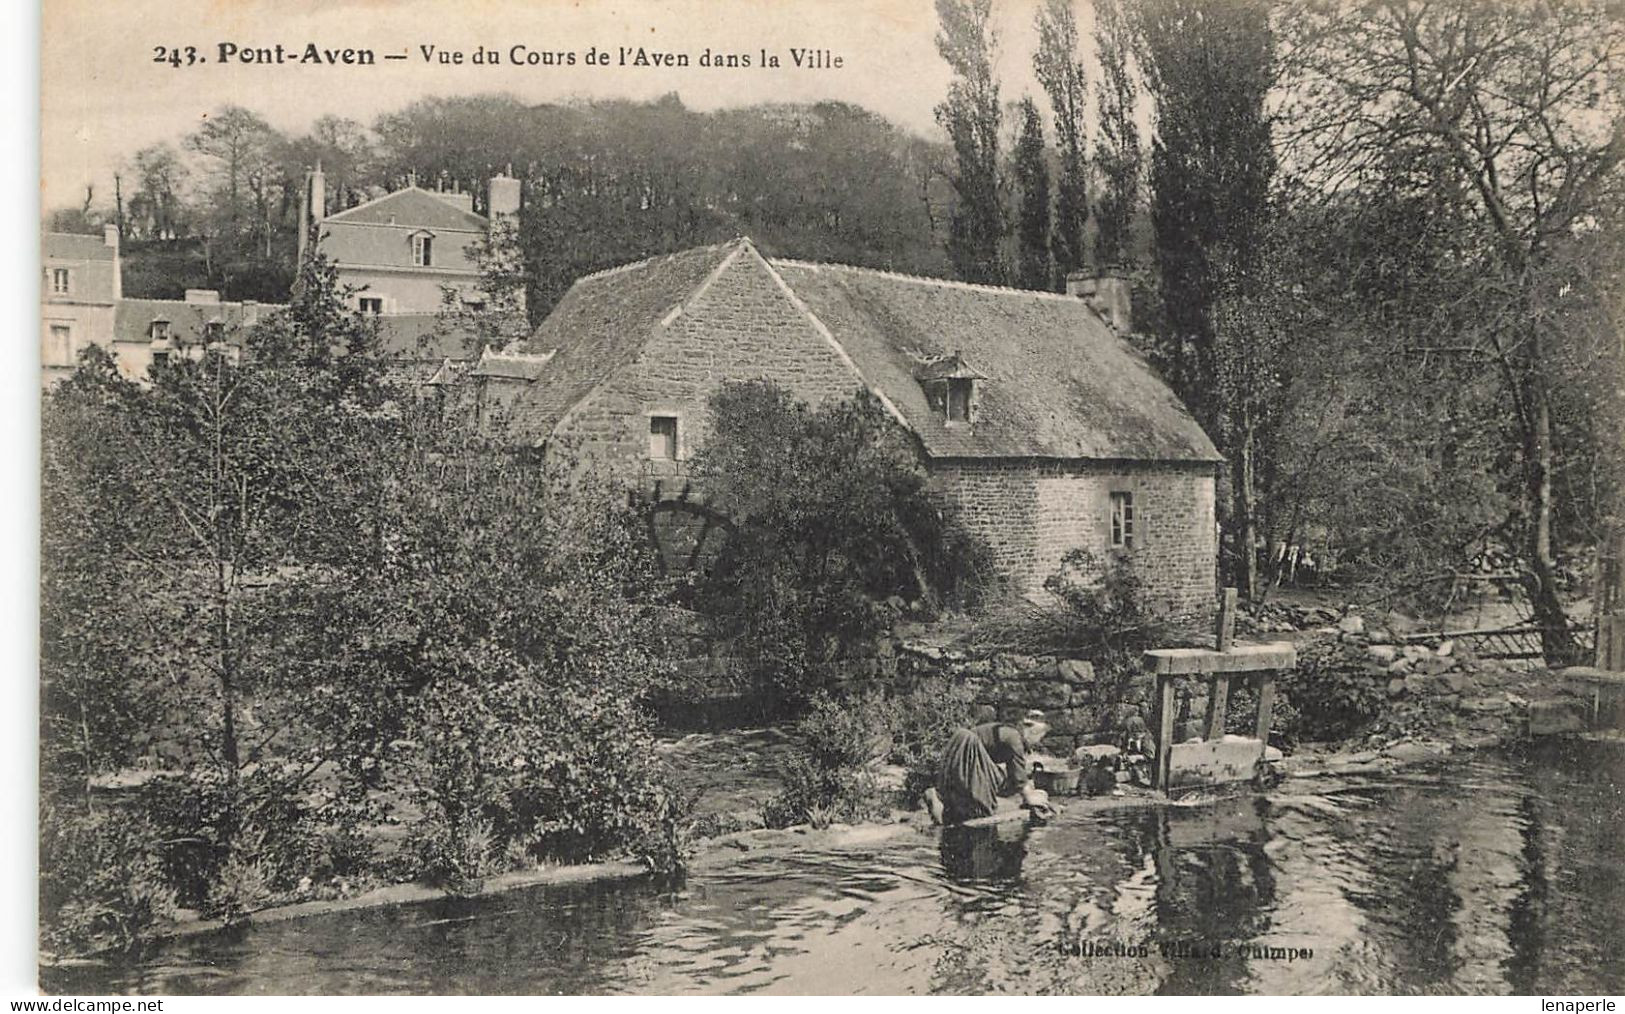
{"type": "Point", "coordinates": [970, 115]}
{"type": "Point", "coordinates": [1032, 177]}
{"type": "Point", "coordinates": [160, 182]}
{"type": "Point", "coordinates": [240, 149]}
{"type": "Point", "coordinates": [1210, 68]}
{"type": "Point", "coordinates": [1517, 108]}
{"type": "Point", "coordinates": [1061, 73]}
{"type": "Point", "coordinates": [1117, 156]}
{"type": "Point", "coordinates": [831, 526]}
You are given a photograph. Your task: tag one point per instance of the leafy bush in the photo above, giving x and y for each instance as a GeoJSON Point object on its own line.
{"type": "Point", "coordinates": [1326, 701]}
{"type": "Point", "coordinates": [922, 719]}
{"type": "Point", "coordinates": [831, 776]}
{"type": "Point", "coordinates": [819, 795]}
{"type": "Point", "coordinates": [101, 884]}
{"type": "Point", "coordinates": [834, 532]}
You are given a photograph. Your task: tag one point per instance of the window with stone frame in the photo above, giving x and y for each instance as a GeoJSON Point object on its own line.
{"type": "Point", "coordinates": [373, 305]}
{"type": "Point", "coordinates": [663, 437]}
{"type": "Point", "coordinates": [1122, 505]}
{"type": "Point", "coordinates": [61, 281]}
{"type": "Point", "coordinates": [159, 330]}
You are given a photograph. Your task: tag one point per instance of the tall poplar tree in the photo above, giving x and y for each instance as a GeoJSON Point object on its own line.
{"type": "Point", "coordinates": [1032, 176]}
{"type": "Point", "coordinates": [1209, 68]}
{"type": "Point", "coordinates": [970, 115]}
{"type": "Point", "coordinates": [1117, 158]}
{"type": "Point", "coordinates": [1061, 73]}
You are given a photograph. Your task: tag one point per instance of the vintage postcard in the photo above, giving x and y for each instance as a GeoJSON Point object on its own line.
{"type": "Point", "coordinates": [831, 497]}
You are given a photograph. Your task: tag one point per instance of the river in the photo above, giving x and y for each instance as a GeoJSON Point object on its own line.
{"type": "Point", "coordinates": [1491, 874]}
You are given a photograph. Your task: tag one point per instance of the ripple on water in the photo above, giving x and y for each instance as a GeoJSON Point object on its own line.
{"type": "Point", "coordinates": [1494, 875]}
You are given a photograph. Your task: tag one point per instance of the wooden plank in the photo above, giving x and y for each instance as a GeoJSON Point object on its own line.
{"type": "Point", "coordinates": [1240, 658]}
{"type": "Point", "coordinates": [1213, 762]}
{"type": "Point", "coordinates": [1165, 730]}
{"type": "Point", "coordinates": [1218, 698]}
{"type": "Point", "coordinates": [1266, 705]}
{"type": "Point", "coordinates": [1227, 620]}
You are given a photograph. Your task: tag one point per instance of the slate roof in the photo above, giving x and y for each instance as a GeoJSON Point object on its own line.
{"type": "Point", "coordinates": [421, 336]}
{"type": "Point", "coordinates": [132, 320]}
{"type": "Point", "coordinates": [511, 366]}
{"type": "Point", "coordinates": [1060, 383]}
{"type": "Point", "coordinates": [601, 324]}
{"type": "Point", "coordinates": [71, 246]}
{"type": "Point", "coordinates": [413, 207]}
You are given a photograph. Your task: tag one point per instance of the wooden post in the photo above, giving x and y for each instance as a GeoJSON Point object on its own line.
{"type": "Point", "coordinates": [1266, 704]}
{"type": "Point", "coordinates": [1226, 627]}
{"type": "Point", "coordinates": [1165, 728]}
{"type": "Point", "coordinates": [1218, 694]}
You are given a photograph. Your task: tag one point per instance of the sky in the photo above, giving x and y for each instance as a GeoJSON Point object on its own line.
{"type": "Point", "coordinates": [103, 96]}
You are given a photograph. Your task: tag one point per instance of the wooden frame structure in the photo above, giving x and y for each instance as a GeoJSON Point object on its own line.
{"type": "Point", "coordinates": [1214, 760]}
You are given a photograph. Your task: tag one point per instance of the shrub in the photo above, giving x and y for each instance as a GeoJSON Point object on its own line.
{"type": "Point", "coordinates": [923, 718]}
{"type": "Point", "coordinates": [818, 795]}
{"type": "Point", "coordinates": [1328, 701]}
{"type": "Point", "coordinates": [834, 533]}
{"type": "Point", "coordinates": [831, 777]}
{"type": "Point", "coordinates": [101, 884]}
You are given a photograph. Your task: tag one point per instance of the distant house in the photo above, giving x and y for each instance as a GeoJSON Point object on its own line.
{"type": "Point", "coordinates": [151, 330]}
{"type": "Point", "coordinates": [1033, 416]}
{"type": "Point", "coordinates": [79, 290]}
{"type": "Point", "coordinates": [401, 250]}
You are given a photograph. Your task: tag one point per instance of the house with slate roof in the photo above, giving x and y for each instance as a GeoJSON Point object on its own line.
{"type": "Point", "coordinates": [1034, 417]}
{"type": "Point", "coordinates": [403, 249]}
{"type": "Point", "coordinates": [78, 293]}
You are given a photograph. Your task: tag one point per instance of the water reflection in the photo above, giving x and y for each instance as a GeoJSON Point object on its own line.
{"type": "Point", "coordinates": [1497, 875]}
{"type": "Point", "coordinates": [978, 855]}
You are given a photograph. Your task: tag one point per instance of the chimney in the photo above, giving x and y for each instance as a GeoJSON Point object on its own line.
{"type": "Point", "coordinates": [504, 196]}
{"type": "Point", "coordinates": [312, 207]}
{"type": "Point", "coordinates": [110, 238]}
{"type": "Point", "coordinates": [205, 297]}
{"type": "Point", "coordinates": [1108, 295]}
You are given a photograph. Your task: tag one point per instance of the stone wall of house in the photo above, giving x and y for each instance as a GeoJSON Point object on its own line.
{"type": "Point", "coordinates": [1032, 514]}
{"type": "Point", "coordinates": [741, 327]}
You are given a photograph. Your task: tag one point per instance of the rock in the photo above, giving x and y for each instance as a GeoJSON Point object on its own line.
{"type": "Point", "coordinates": [1399, 667]}
{"type": "Point", "coordinates": [1485, 705]}
{"type": "Point", "coordinates": [1549, 718]}
{"type": "Point", "coordinates": [1383, 653]}
{"type": "Point", "coordinates": [1417, 652]}
{"type": "Point", "coordinates": [1445, 648]}
{"type": "Point", "coordinates": [1396, 687]}
{"type": "Point", "coordinates": [1457, 682]}
{"type": "Point", "coordinates": [1410, 751]}
{"type": "Point", "coordinates": [1351, 624]}
{"type": "Point", "coordinates": [1095, 754]}
{"type": "Point", "coordinates": [1134, 725]}
{"type": "Point", "coordinates": [1075, 670]}
{"type": "Point", "coordinates": [1272, 755]}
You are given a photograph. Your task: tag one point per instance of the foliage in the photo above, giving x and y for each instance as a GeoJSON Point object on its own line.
{"type": "Point", "coordinates": [100, 882]}
{"type": "Point", "coordinates": [922, 718]}
{"type": "Point", "coordinates": [970, 115]}
{"type": "Point", "coordinates": [1062, 75]}
{"type": "Point", "coordinates": [1117, 156]}
{"type": "Point", "coordinates": [1328, 701]}
{"type": "Point", "coordinates": [1210, 68]}
{"type": "Point", "coordinates": [831, 777]}
{"type": "Point", "coordinates": [1032, 176]}
{"type": "Point", "coordinates": [1510, 115]}
{"type": "Point", "coordinates": [834, 530]}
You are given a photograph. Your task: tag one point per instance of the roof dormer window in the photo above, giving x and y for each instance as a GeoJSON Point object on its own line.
{"type": "Point", "coordinates": [423, 249]}
{"type": "Point", "coordinates": [159, 330]}
{"type": "Point", "coordinates": [213, 331]}
{"type": "Point", "coordinates": [950, 388]}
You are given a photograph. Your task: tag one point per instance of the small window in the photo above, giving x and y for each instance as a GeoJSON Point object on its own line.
{"type": "Point", "coordinates": [1123, 520]}
{"type": "Point", "coordinates": [213, 331]}
{"type": "Point", "coordinates": [423, 250]}
{"type": "Point", "coordinates": [159, 330]}
{"type": "Point", "coordinates": [663, 437]}
{"type": "Point", "coordinates": [372, 304]}
{"type": "Point", "coordinates": [59, 346]}
{"type": "Point", "coordinates": [61, 281]}
{"type": "Point", "coordinates": [959, 400]}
